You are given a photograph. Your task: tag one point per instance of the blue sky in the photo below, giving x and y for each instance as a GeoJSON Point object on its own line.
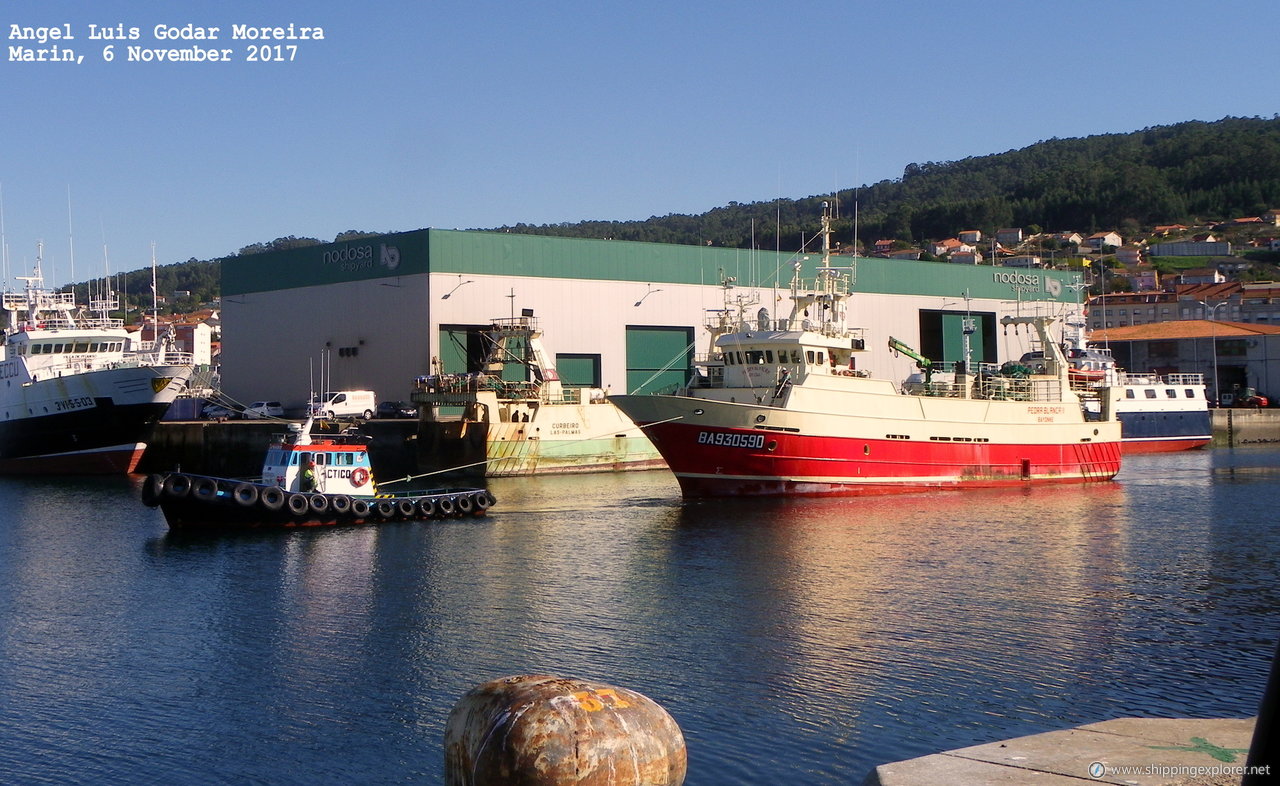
{"type": "Point", "coordinates": [478, 114]}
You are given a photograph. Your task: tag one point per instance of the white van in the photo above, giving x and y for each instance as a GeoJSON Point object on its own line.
{"type": "Point", "coordinates": [345, 404]}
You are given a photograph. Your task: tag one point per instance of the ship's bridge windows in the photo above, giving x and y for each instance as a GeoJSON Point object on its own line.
{"type": "Point", "coordinates": [1151, 393]}
{"type": "Point", "coordinates": [1170, 393]}
{"type": "Point", "coordinates": [1189, 393]}
{"type": "Point", "coordinates": [81, 346]}
{"type": "Point", "coordinates": [808, 354]}
{"type": "Point", "coordinates": [1129, 394]}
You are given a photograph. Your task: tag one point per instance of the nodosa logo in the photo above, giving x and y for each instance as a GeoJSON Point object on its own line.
{"type": "Point", "coordinates": [390, 256]}
{"type": "Point", "coordinates": [352, 258]}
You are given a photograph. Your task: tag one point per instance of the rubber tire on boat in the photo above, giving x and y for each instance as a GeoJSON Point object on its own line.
{"type": "Point", "coordinates": [245, 494]}
{"type": "Point", "coordinates": [360, 508]}
{"type": "Point", "coordinates": [204, 488]}
{"type": "Point", "coordinates": [152, 489]}
{"type": "Point", "coordinates": [406, 508]}
{"type": "Point", "coordinates": [386, 508]}
{"type": "Point", "coordinates": [465, 505]}
{"type": "Point", "coordinates": [272, 498]}
{"type": "Point", "coordinates": [427, 508]}
{"type": "Point", "coordinates": [445, 506]}
{"type": "Point", "coordinates": [482, 501]}
{"type": "Point", "coordinates": [177, 486]}
{"type": "Point", "coordinates": [340, 504]}
{"type": "Point", "coordinates": [318, 503]}
{"type": "Point", "coordinates": [297, 504]}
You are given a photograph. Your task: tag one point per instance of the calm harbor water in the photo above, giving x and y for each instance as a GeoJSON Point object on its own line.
{"type": "Point", "coordinates": [800, 641]}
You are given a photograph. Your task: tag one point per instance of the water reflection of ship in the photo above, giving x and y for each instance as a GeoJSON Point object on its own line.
{"type": "Point", "coordinates": [518, 418]}
{"type": "Point", "coordinates": [880, 611]}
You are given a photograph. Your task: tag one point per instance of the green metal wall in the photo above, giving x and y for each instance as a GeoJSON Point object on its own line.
{"type": "Point", "coordinates": [495, 253]}
{"type": "Point", "coordinates": [658, 358]}
{"type": "Point", "coordinates": [579, 371]}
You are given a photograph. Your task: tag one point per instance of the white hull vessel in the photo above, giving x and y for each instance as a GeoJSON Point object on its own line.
{"type": "Point", "coordinates": [77, 394]}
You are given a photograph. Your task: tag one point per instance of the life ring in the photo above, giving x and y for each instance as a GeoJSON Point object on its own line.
{"type": "Point", "coordinates": [297, 504]}
{"type": "Point", "coordinates": [204, 488]}
{"type": "Point", "coordinates": [177, 486]}
{"type": "Point", "coordinates": [152, 489]}
{"type": "Point", "coordinates": [359, 476]}
{"type": "Point", "coordinates": [360, 508]}
{"type": "Point", "coordinates": [386, 508]}
{"type": "Point", "coordinates": [464, 504]}
{"type": "Point", "coordinates": [245, 494]}
{"type": "Point", "coordinates": [482, 501]}
{"type": "Point", "coordinates": [318, 503]}
{"type": "Point", "coordinates": [427, 508]}
{"type": "Point", "coordinates": [340, 504]}
{"type": "Point", "coordinates": [445, 506]}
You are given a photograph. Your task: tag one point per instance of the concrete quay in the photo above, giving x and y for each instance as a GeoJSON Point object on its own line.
{"type": "Point", "coordinates": [1138, 751]}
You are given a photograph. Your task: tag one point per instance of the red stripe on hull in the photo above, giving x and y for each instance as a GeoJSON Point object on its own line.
{"type": "Point", "coordinates": [110, 461]}
{"type": "Point", "coordinates": [772, 463]}
{"type": "Point", "coordinates": [1132, 447]}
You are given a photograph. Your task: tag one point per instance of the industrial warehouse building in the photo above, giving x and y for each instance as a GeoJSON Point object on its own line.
{"type": "Point", "coordinates": [376, 312]}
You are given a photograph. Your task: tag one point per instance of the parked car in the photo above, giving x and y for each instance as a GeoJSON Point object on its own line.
{"type": "Point", "coordinates": [1243, 397]}
{"type": "Point", "coordinates": [397, 409]}
{"type": "Point", "coordinates": [220, 412]}
{"type": "Point", "coordinates": [344, 404]}
{"type": "Point", "coordinates": [264, 409]}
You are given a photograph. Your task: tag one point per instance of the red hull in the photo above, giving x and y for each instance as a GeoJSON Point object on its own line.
{"type": "Point", "coordinates": [772, 463]}
{"type": "Point", "coordinates": [108, 461]}
{"type": "Point", "coordinates": [1133, 447]}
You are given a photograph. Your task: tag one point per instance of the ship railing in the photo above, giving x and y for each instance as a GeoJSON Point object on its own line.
{"type": "Point", "coordinates": [831, 329]}
{"type": "Point", "coordinates": [515, 323]}
{"type": "Point", "coordinates": [1185, 379]}
{"type": "Point", "coordinates": [129, 360]}
{"type": "Point", "coordinates": [160, 357]}
{"type": "Point", "coordinates": [934, 389]}
{"type": "Point", "coordinates": [453, 385]}
{"type": "Point", "coordinates": [1137, 378]}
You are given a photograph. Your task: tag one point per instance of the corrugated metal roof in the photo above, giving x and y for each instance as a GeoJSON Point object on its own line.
{"type": "Point", "coordinates": [1184, 328]}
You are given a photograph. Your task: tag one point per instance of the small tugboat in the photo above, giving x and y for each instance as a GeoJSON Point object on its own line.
{"type": "Point", "coordinates": [306, 482]}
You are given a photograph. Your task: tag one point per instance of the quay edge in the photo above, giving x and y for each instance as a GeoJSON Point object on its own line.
{"type": "Point", "coordinates": [1170, 751]}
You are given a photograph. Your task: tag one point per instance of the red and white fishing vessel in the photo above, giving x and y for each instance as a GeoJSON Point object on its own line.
{"type": "Point", "coordinates": [782, 409]}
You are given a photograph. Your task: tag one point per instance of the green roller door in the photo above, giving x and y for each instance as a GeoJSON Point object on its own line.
{"type": "Point", "coordinates": [579, 371]}
{"type": "Point", "coordinates": [659, 359]}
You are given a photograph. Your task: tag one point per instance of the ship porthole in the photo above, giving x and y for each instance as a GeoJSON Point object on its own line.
{"type": "Point", "coordinates": [772, 446]}
{"type": "Point", "coordinates": [759, 418]}
{"type": "Point", "coordinates": [1095, 432]}
{"type": "Point", "coordinates": [866, 450]}
{"type": "Point", "coordinates": [697, 412]}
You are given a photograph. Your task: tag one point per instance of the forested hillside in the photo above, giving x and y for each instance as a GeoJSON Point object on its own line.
{"type": "Point", "coordinates": [1187, 173]}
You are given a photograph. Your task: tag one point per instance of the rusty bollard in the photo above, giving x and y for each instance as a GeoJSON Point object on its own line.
{"type": "Point", "coordinates": [539, 730]}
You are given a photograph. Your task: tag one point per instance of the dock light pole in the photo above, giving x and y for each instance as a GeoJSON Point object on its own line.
{"type": "Point", "coordinates": [460, 284]}
{"type": "Point", "coordinates": [1213, 325]}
